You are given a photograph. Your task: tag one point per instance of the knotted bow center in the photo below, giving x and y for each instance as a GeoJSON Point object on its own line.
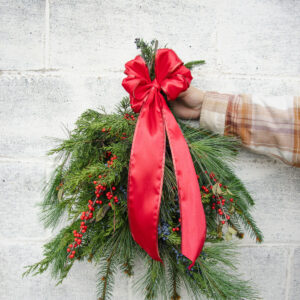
{"type": "Point", "coordinates": [155, 84]}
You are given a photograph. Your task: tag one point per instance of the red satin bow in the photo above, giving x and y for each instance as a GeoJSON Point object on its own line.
{"type": "Point", "coordinates": [147, 158]}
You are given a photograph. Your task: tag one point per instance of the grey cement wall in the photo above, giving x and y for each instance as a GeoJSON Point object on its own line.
{"type": "Point", "coordinates": [58, 58]}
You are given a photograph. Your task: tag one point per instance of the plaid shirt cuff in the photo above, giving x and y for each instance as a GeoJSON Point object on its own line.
{"type": "Point", "coordinates": [213, 111]}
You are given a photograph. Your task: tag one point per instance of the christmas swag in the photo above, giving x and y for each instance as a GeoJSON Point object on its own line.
{"type": "Point", "coordinates": [129, 184]}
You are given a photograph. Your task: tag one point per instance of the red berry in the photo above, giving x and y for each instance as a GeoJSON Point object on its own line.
{"type": "Point", "coordinates": [113, 188]}
{"type": "Point", "coordinates": [227, 217]}
{"type": "Point", "coordinates": [68, 250]}
{"type": "Point", "coordinates": [100, 176]}
{"type": "Point", "coordinates": [223, 222]}
{"type": "Point", "coordinates": [174, 229]}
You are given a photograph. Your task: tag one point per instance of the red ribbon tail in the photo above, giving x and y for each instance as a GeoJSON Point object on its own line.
{"type": "Point", "coordinates": [145, 177]}
{"type": "Point", "coordinates": [193, 224]}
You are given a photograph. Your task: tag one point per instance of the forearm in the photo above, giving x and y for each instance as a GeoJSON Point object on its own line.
{"type": "Point", "coordinates": [267, 125]}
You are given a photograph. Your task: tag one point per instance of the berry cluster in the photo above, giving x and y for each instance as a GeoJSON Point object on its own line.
{"type": "Point", "coordinates": [123, 137]}
{"type": "Point", "coordinates": [110, 162]}
{"type": "Point", "coordinates": [129, 117]}
{"type": "Point", "coordinates": [105, 130]}
{"type": "Point", "coordinates": [85, 216]}
{"type": "Point", "coordinates": [205, 189]}
{"type": "Point", "coordinates": [177, 228]}
{"type": "Point", "coordinates": [77, 242]}
{"type": "Point", "coordinates": [89, 214]}
{"type": "Point", "coordinates": [218, 200]}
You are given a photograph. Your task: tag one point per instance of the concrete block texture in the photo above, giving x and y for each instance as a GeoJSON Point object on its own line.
{"type": "Point", "coordinates": [35, 109]}
{"type": "Point", "coordinates": [265, 32]}
{"type": "Point", "coordinates": [259, 263]}
{"type": "Point", "coordinates": [58, 58]}
{"type": "Point", "coordinates": [98, 35]}
{"type": "Point", "coordinates": [22, 34]}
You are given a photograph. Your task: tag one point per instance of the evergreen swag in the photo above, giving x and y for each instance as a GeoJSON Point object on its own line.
{"type": "Point", "coordinates": [88, 187]}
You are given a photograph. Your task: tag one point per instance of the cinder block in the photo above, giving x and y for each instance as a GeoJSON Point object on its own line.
{"type": "Point", "coordinates": [20, 192]}
{"type": "Point", "coordinates": [266, 267]}
{"type": "Point", "coordinates": [22, 26]}
{"type": "Point", "coordinates": [275, 190]}
{"type": "Point", "coordinates": [259, 37]}
{"type": "Point", "coordinates": [99, 35]}
{"type": "Point", "coordinates": [80, 284]}
{"type": "Point", "coordinates": [34, 109]}
{"type": "Point", "coordinates": [295, 276]}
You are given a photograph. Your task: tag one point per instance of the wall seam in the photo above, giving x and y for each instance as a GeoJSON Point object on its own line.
{"type": "Point", "coordinates": [288, 273]}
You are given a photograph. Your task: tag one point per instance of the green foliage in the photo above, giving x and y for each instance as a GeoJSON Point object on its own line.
{"type": "Point", "coordinates": [100, 144]}
{"type": "Point", "coordinates": [194, 63]}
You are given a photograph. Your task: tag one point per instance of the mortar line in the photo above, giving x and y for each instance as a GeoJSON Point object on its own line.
{"type": "Point", "coordinates": [26, 160]}
{"type": "Point", "coordinates": [288, 273]}
{"type": "Point", "coordinates": [46, 40]}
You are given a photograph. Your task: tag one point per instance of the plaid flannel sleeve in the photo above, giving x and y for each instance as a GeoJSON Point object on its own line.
{"type": "Point", "coordinates": [267, 125]}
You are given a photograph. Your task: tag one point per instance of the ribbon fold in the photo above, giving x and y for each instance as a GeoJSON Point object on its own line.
{"type": "Point", "coordinates": [147, 160]}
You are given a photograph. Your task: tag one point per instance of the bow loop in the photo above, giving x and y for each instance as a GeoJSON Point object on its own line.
{"type": "Point", "coordinates": [170, 72]}
{"type": "Point", "coordinates": [137, 83]}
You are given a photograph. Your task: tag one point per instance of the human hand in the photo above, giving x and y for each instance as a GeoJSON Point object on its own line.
{"type": "Point", "coordinates": [188, 104]}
